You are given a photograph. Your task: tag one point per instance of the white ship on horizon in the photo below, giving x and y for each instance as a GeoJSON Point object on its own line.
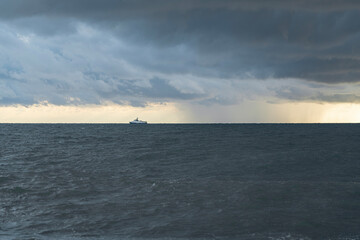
{"type": "Point", "coordinates": [137, 121]}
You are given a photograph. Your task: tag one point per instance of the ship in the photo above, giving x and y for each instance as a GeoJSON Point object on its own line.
{"type": "Point", "coordinates": [137, 121]}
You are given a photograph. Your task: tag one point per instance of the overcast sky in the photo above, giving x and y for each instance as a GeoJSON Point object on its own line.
{"type": "Point", "coordinates": [199, 54]}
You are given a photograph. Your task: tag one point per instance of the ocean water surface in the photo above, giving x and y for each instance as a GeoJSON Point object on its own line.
{"type": "Point", "coordinates": [192, 181]}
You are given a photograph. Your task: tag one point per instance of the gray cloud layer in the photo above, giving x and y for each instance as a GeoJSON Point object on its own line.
{"type": "Point", "coordinates": [315, 41]}
{"type": "Point", "coordinates": [125, 8]}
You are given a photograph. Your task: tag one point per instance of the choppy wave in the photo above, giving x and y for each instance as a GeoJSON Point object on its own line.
{"type": "Point", "coordinates": [179, 181]}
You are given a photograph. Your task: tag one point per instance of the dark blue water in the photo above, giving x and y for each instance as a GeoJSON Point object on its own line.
{"type": "Point", "coordinates": [250, 181]}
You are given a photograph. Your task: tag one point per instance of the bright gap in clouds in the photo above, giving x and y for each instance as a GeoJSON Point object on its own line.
{"type": "Point", "coordinates": [249, 112]}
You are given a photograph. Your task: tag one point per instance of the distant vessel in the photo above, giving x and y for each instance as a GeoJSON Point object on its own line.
{"type": "Point", "coordinates": [137, 121]}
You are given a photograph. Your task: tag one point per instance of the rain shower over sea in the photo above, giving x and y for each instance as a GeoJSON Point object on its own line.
{"type": "Point", "coordinates": [173, 181]}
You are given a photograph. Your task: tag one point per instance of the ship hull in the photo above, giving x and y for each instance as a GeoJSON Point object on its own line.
{"type": "Point", "coordinates": [138, 122]}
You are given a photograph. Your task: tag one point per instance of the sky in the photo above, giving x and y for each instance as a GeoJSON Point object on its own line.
{"type": "Point", "coordinates": [179, 61]}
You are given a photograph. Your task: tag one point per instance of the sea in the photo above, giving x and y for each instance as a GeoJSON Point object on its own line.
{"type": "Point", "coordinates": [179, 181]}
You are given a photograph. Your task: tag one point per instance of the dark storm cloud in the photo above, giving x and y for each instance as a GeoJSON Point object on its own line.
{"type": "Point", "coordinates": [101, 87]}
{"type": "Point", "coordinates": [329, 70]}
{"type": "Point", "coordinates": [126, 8]}
{"type": "Point", "coordinates": [298, 39]}
{"type": "Point", "coordinates": [312, 40]}
{"type": "Point", "coordinates": [172, 22]}
{"type": "Point", "coordinates": [159, 88]}
{"type": "Point", "coordinates": [264, 43]}
{"type": "Point", "coordinates": [296, 94]}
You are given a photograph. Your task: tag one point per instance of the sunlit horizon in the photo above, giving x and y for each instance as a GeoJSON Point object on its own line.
{"type": "Point", "coordinates": [255, 112]}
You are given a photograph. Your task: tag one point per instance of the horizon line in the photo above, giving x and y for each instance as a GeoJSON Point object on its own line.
{"type": "Point", "coordinates": [179, 123]}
